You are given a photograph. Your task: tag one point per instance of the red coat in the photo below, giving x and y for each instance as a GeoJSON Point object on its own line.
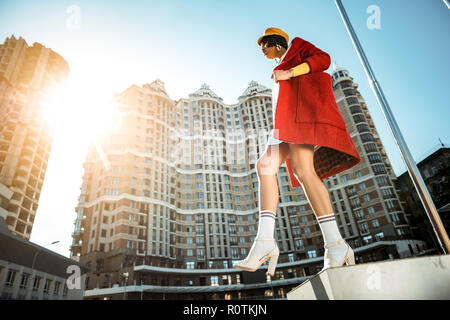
{"type": "Point", "coordinates": [307, 112]}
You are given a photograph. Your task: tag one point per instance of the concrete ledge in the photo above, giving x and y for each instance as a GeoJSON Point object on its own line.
{"type": "Point", "coordinates": [421, 278]}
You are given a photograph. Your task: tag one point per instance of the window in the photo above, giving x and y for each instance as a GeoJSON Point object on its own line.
{"type": "Point", "coordinates": [190, 265]}
{"type": "Point", "coordinates": [312, 254]}
{"type": "Point", "coordinates": [370, 147]}
{"type": "Point", "coordinates": [374, 158]}
{"type": "Point", "coordinates": [352, 100]}
{"type": "Point", "coordinates": [365, 137]}
{"type": "Point", "coordinates": [387, 193]}
{"type": "Point", "coordinates": [379, 235]}
{"type": "Point", "coordinates": [390, 204]}
{"type": "Point", "coordinates": [37, 282]}
{"type": "Point", "coordinates": [351, 191]}
{"type": "Point", "coordinates": [11, 277]}
{"type": "Point", "coordinates": [299, 244]}
{"type": "Point", "coordinates": [359, 118]}
{"type": "Point", "coordinates": [370, 210]}
{"type": "Point", "coordinates": [56, 289]}
{"type": "Point", "coordinates": [363, 227]}
{"type": "Point", "coordinates": [358, 174]}
{"type": "Point", "coordinates": [47, 285]}
{"type": "Point", "coordinates": [362, 128]}
{"type": "Point", "coordinates": [375, 223]}
{"type": "Point", "coordinates": [291, 257]}
{"type": "Point", "coordinates": [24, 280]}
{"type": "Point", "coordinates": [366, 197]}
{"type": "Point", "coordinates": [214, 280]}
{"type": "Point", "coordinates": [359, 214]}
{"type": "Point", "coordinates": [355, 202]}
{"type": "Point", "coordinates": [65, 290]}
{"type": "Point", "coordinates": [379, 169]}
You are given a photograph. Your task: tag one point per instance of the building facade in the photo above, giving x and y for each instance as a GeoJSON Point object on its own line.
{"type": "Point", "coordinates": [171, 200]}
{"type": "Point", "coordinates": [32, 272]}
{"type": "Point", "coordinates": [27, 76]}
{"type": "Point", "coordinates": [435, 171]}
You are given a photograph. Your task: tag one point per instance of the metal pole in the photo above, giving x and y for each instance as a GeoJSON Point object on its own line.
{"type": "Point", "coordinates": [447, 4]}
{"type": "Point", "coordinates": [414, 173]}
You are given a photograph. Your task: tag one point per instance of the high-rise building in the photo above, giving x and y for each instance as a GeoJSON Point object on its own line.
{"type": "Point", "coordinates": [170, 200]}
{"type": "Point", "coordinates": [27, 76]}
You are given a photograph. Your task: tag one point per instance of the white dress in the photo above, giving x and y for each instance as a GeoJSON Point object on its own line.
{"type": "Point", "coordinates": [275, 90]}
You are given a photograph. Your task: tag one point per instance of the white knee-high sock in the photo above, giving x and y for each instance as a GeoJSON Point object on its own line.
{"type": "Point", "coordinates": [266, 225]}
{"type": "Point", "coordinates": [329, 228]}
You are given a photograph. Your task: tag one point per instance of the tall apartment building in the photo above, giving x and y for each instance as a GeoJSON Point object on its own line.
{"type": "Point", "coordinates": [171, 200]}
{"type": "Point", "coordinates": [27, 75]}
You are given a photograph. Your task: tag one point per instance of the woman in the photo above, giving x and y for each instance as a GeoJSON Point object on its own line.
{"type": "Point", "coordinates": [310, 135]}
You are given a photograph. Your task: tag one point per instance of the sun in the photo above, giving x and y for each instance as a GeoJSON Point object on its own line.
{"type": "Point", "coordinates": [79, 114]}
{"type": "Point", "coordinates": [80, 108]}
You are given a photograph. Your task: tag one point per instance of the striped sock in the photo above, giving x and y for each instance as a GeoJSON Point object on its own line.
{"type": "Point", "coordinates": [329, 228]}
{"type": "Point", "coordinates": [266, 225]}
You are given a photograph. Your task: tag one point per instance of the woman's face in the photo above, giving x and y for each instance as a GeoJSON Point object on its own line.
{"type": "Point", "coordinates": [269, 52]}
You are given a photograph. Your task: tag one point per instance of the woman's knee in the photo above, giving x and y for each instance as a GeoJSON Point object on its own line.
{"type": "Point", "coordinates": [265, 167]}
{"type": "Point", "coordinates": [304, 174]}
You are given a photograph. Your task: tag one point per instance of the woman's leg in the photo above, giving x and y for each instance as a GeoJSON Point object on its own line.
{"type": "Point", "coordinates": [302, 162]}
{"type": "Point", "coordinates": [267, 167]}
{"type": "Point", "coordinates": [336, 250]}
{"type": "Point", "coordinates": [265, 243]}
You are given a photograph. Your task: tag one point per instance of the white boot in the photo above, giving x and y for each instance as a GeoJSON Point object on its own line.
{"type": "Point", "coordinates": [265, 246]}
{"type": "Point", "coordinates": [337, 258]}
{"type": "Point", "coordinates": [258, 255]}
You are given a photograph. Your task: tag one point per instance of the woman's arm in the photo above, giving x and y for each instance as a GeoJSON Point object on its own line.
{"type": "Point", "coordinates": [313, 59]}
{"type": "Point", "coordinates": [317, 59]}
{"type": "Point", "coordinates": [302, 68]}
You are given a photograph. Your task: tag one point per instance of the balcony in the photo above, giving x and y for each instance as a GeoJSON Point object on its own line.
{"type": "Point", "coordinates": [14, 202]}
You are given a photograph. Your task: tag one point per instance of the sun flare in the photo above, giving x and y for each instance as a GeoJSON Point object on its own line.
{"type": "Point", "coordinates": [79, 110]}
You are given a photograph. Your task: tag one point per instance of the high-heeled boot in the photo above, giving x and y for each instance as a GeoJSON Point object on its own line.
{"type": "Point", "coordinates": [258, 255]}
{"type": "Point", "coordinates": [334, 258]}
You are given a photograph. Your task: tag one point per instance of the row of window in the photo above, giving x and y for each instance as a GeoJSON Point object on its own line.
{"type": "Point", "coordinates": [25, 281]}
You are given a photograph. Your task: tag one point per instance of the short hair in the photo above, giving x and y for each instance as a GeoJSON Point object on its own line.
{"type": "Point", "coordinates": [273, 40]}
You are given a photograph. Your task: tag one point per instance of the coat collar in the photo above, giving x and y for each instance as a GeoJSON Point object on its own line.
{"type": "Point", "coordinates": [292, 51]}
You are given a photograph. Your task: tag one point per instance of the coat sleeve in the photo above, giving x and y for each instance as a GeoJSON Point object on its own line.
{"type": "Point", "coordinates": [317, 59]}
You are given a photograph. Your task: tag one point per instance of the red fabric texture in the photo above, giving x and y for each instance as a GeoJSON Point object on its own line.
{"type": "Point", "coordinates": [307, 113]}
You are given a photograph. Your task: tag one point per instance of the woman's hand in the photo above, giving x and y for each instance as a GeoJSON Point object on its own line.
{"type": "Point", "coordinates": [282, 75]}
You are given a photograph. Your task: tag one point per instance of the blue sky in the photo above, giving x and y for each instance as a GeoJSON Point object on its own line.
{"type": "Point", "coordinates": [187, 43]}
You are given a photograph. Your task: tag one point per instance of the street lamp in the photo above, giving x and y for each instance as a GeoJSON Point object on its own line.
{"type": "Point", "coordinates": [125, 275]}
{"type": "Point", "coordinates": [39, 250]}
